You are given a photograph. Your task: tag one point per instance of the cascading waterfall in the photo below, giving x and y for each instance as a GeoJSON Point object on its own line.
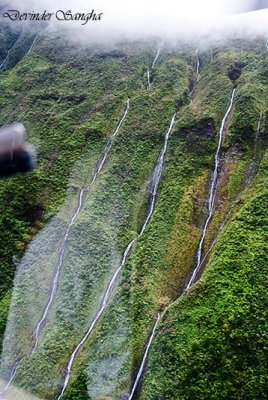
{"type": "Point", "coordinates": [157, 173]}
{"type": "Point", "coordinates": [197, 65]}
{"type": "Point", "coordinates": [32, 45]}
{"type": "Point", "coordinates": [5, 60]}
{"type": "Point", "coordinates": [77, 212]}
{"type": "Point", "coordinates": [157, 55]}
{"type": "Point", "coordinates": [197, 71]}
{"type": "Point", "coordinates": [222, 225]}
{"type": "Point", "coordinates": [108, 146]}
{"type": "Point", "coordinates": [148, 79]}
{"type": "Point", "coordinates": [82, 192]}
{"type": "Point", "coordinates": [266, 45]}
{"type": "Point", "coordinates": [28, 52]}
{"type": "Point", "coordinates": [55, 281]}
{"type": "Point", "coordinates": [253, 165]}
{"type": "Point", "coordinates": [97, 317]}
{"type": "Point", "coordinates": [212, 194]}
{"type": "Point", "coordinates": [140, 372]}
{"type": "Point", "coordinates": [153, 65]}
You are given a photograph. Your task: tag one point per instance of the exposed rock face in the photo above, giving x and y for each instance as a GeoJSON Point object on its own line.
{"type": "Point", "coordinates": [204, 127]}
{"type": "Point", "coordinates": [235, 71]}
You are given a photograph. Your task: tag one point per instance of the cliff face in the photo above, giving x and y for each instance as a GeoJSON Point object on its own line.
{"type": "Point", "coordinates": [99, 159]}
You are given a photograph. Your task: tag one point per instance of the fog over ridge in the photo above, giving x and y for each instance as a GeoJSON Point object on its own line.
{"type": "Point", "coordinates": [169, 18]}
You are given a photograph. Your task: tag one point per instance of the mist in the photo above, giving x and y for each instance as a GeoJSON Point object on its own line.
{"type": "Point", "coordinates": [169, 19]}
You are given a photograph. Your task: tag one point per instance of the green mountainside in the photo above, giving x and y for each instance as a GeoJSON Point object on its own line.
{"type": "Point", "coordinates": [211, 340]}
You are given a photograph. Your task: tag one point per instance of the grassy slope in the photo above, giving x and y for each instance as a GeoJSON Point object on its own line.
{"type": "Point", "coordinates": [212, 340]}
{"type": "Point", "coordinates": [157, 270]}
{"type": "Point", "coordinates": [211, 343]}
{"type": "Point", "coordinates": [67, 109]}
{"type": "Point", "coordinates": [75, 111]}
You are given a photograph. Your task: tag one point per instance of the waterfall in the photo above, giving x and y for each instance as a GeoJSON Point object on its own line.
{"type": "Point", "coordinates": [197, 71]}
{"type": "Point", "coordinates": [5, 60]}
{"type": "Point", "coordinates": [148, 79]}
{"type": "Point", "coordinates": [32, 45]}
{"type": "Point", "coordinates": [141, 369]}
{"type": "Point", "coordinates": [65, 240]}
{"type": "Point", "coordinates": [153, 65]}
{"type": "Point", "coordinates": [108, 146]}
{"type": "Point", "coordinates": [156, 176]}
{"type": "Point", "coordinates": [99, 313]}
{"type": "Point", "coordinates": [197, 65]}
{"type": "Point", "coordinates": [55, 281]}
{"type": "Point", "coordinates": [212, 194]}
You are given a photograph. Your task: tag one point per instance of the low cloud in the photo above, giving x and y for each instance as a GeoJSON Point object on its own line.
{"type": "Point", "coordinates": [170, 18]}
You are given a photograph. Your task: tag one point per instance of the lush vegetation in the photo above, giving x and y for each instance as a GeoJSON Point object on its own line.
{"type": "Point", "coordinates": [70, 99]}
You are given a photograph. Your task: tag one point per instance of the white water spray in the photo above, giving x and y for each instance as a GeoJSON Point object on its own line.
{"type": "Point", "coordinates": [140, 372]}
{"type": "Point", "coordinates": [153, 65]}
{"type": "Point", "coordinates": [40, 324]}
{"type": "Point", "coordinates": [154, 184]}
{"type": "Point", "coordinates": [212, 195]}
{"type": "Point", "coordinates": [92, 325]}
{"type": "Point", "coordinates": [77, 212]}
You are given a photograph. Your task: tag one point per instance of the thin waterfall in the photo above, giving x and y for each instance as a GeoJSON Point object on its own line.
{"type": "Point", "coordinates": [197, 65]}
{"type": "Point", "coordinates": [253, 165]}
{"type": "Point", "coordinates": [157, 173]}
{"type": "Point", "coordinates": [28, 52]}
{"type": "Point", "coordinates": [99, 313]}
{"type": "Point", "coordinates": [55, 281]}
{"type": "Point", "coordinates": [212, 194]}
{"type": "Point", "coordinates": [77, 212]}
{"type": "Point", "coordinates": [32, 45]}
{"type": "Point", "coordinates": [7, 57]}
{"type": "Point", "coordinates": [222, 225]}
{"type": "Point", "coordinates": [197, 71]}
{"type": "Point", "coordinates": [157, 55]}
{"type": "Point", "coordinates": [148, 79]}
{"type": "Point", "coordinates": [153, 65]}
{"type": "Point", "coordinates": [108, 146]}
{"type": "Point", "coordinates": [82, 192]}
{"type": "Point", "coordinates": [141, 369]}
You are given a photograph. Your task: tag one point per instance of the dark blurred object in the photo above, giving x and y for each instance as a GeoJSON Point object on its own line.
{"type": "Point", "coordinates": [249, 5]}
{"type": "Point", "coordinates": [259, 4]}
{"type": "Point", "coordinates": [15, 155]}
